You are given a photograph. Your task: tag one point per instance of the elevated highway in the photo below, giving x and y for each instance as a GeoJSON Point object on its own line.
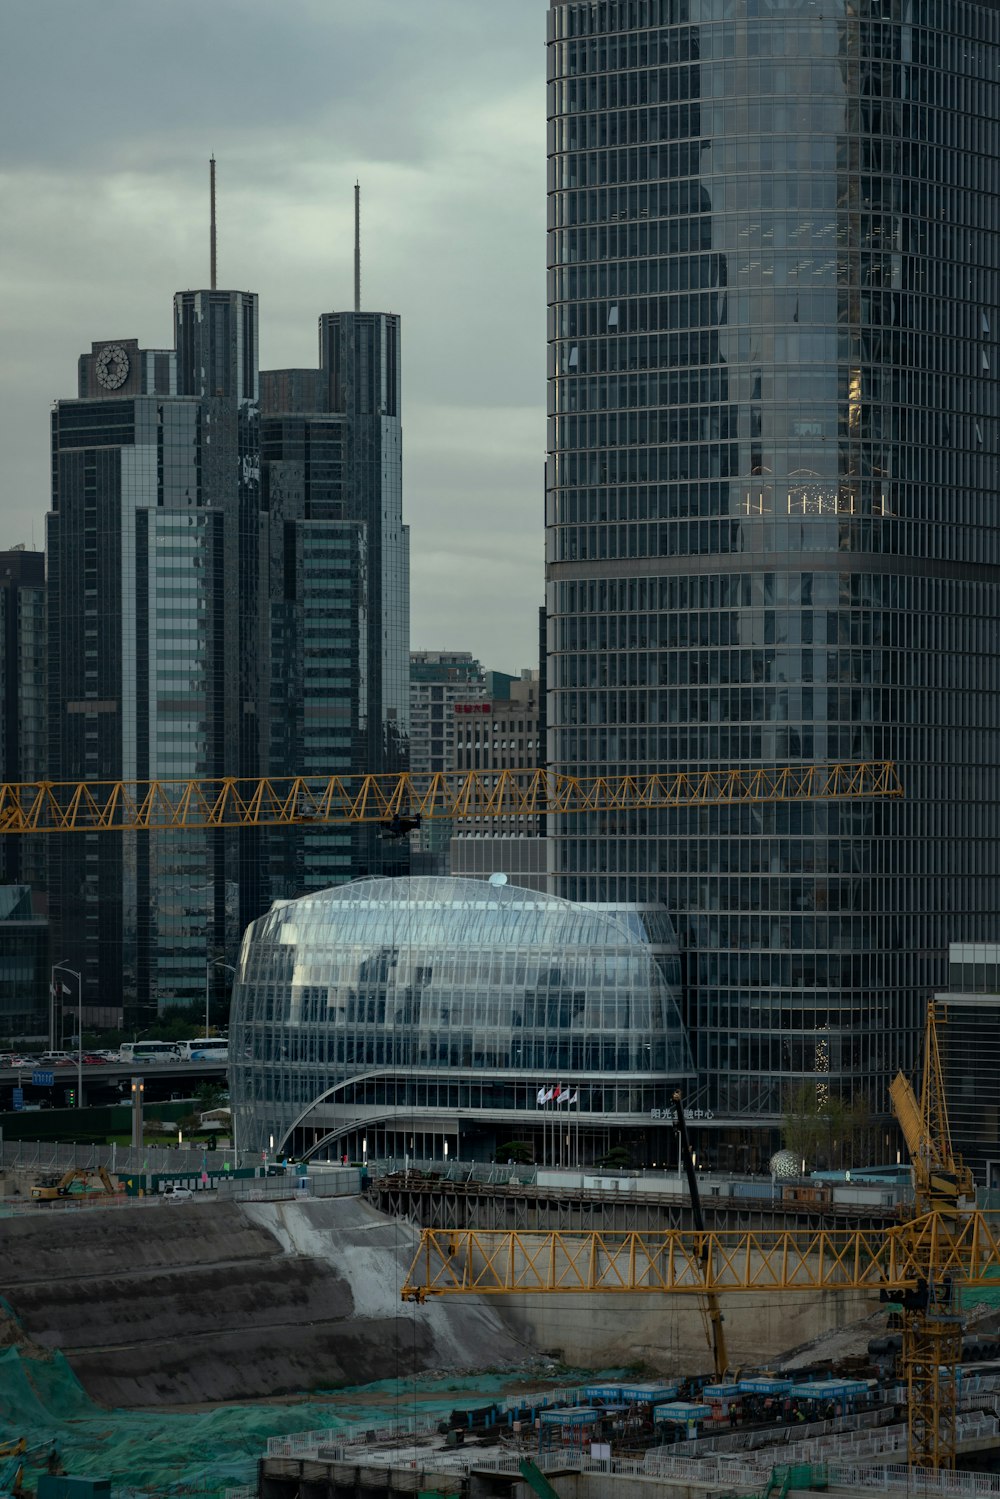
{"type": "Point", "coordinates": [106, 1082]}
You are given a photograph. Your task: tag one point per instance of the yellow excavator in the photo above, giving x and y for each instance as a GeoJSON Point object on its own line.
{"type": "Point", "coordinates": [74, 1183]}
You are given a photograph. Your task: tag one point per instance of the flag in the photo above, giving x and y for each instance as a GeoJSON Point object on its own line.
{"type": "Point", "coordinates": [550, 1094]}
{"type": "Point", "coordinates": [541, 1094]}
{"type": "Point", "coordinates": [575, 1097]}
{"type": "Point", "coordinates": [564, 1097]}
{"type": "Point", "coordinates": [556, 1092]}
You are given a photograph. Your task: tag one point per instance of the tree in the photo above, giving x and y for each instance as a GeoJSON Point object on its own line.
{"type": "Point", "coordinates": [803, 1124]}
{"type": "Point", "coordinates": [518, 1151]}
{"type": "Point", "coordinates": [615, 1158]}
{"type": "Point", "coordinates": [211, 1096]}
{"type": "Point", "coordinates": [822, 1126]}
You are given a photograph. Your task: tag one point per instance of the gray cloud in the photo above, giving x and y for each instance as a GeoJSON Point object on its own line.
{"type": "Point", "coordinates": [108, 112]}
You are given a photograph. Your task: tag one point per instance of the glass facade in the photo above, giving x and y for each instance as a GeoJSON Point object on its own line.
{"type": "Point", "coordinates": [153, 647]}
{"type": "Point", "coordinates": [24, 967]}
{"type": "Point", "coordinates": [22, 698]}
{"type": "Point", "coordinates": [386, 1005]}
{"type": "Point", "coordinates": [969, 1042]}
{"type": "Point", "coordinates": [209, 616]}
{"type": "Point", "coordinates": [338, 612]}
{"type": "Point", "coordinates": [774, 238]}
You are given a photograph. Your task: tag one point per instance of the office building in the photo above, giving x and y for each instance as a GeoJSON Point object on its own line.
{"type": "Point", "coordinates": [22, 700]}
{"type": "Point", "coordinates": [446, 688]}
{"type": "Point", "coordinates": [771, 502]}
{"type": "Point", "coordinates": [968, 1033]}
{"type": "Point", "coordinates": [24, 967]}
{"type": "Point", "coordinates": [501, 733]}
{"type": "Point", "coordinates": [153, 650]}
{"type": "Point", "coordinates": [430, 1016]}
{"type": "Point", "coordinates": [337, 588]}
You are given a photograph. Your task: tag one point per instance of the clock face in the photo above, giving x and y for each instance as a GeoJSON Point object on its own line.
{"type": "Point", "coordinates": [112, 367]}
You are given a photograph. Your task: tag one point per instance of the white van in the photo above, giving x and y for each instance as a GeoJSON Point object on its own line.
{"type": "Point", "coordinates": [53, 1058]}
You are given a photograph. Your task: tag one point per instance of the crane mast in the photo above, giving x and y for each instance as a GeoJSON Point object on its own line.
{"type": "Point", "coordinates": [943, 1190]}
{"type": "Point", "coordinates": [720, 1354]}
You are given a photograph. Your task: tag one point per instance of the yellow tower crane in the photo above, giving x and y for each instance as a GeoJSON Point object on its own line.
{"type": "Point", "coordinates": [920, 1263]}
{"type": "Point", "coordinates": [943, 1195]}
{"type": "Point", "coordinates": [399, 802]}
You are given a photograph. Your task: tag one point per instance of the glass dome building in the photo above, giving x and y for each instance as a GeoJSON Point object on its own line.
{"type": "Point", "coordinates": [422, 1016]}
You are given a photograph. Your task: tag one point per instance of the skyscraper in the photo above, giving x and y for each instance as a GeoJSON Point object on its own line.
{"type": "Point", "coordinates": [337, 587]}
{"type": "Point", "coordinates": [771, 513]}
{"type": "Point", "coordinates": [22, 697]}
{"type": "Point", "coordinates": [153, 645]}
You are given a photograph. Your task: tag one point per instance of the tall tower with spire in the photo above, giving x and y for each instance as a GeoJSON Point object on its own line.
{"type": "Point", "coordinates": [337, 583]}
{"type": "Point", "coordinates": [153, 646]}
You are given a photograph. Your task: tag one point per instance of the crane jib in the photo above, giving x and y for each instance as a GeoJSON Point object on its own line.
{"type": "Point", "coordinates": [398, 802]}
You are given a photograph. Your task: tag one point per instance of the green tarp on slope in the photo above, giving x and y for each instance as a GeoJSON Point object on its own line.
{"type": "Point", "coordinates": [174, 1453]}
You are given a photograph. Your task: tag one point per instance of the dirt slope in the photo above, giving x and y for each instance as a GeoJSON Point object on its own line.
{"type": "Point", "coordinates": [225, 1301]}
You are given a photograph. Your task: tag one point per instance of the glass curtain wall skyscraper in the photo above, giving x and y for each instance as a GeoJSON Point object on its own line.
{"type": "Point", "coordinates": [153, 646]}
{"type": "Point", "coordinates": [22, 698]}
{"type": "Point", "coordinates": [337, 587]}
{"type": "Point", "coordinates": [772, 521]}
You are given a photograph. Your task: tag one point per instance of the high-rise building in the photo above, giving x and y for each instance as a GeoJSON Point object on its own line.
{"type": "Point", "coordinates": [22, 698]}
{"type": "Point", "coordinates": [337, 588]}
{"type": "Point", "coordinates": [24, 967]}
{"type": "Point", "coordinates": [445, 687]}
{"type": "Point", "coordinates": [772, 527]}
{"type": "Point", "coordinates": [153, 648]}
{"type": "Point", "coordinates": [501, 733]}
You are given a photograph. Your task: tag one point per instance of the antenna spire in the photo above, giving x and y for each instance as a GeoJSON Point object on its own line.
{"type": "Point", "coordinates": [357, 247]}
{"type": "Point", "coordinates": [211, 178]}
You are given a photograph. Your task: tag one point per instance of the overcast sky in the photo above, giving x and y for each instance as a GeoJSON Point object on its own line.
{"type": "Point", "coordinates": [109, 111]}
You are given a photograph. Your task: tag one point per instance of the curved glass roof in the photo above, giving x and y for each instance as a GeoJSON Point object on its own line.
{"type": "Point", "coordinates": [391, 975]}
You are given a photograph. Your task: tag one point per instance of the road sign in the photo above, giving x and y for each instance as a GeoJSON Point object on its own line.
{"type": "Point", "coordinates": [18, 1098]}
{"type": "Point", "coordinates": [42, 1079]}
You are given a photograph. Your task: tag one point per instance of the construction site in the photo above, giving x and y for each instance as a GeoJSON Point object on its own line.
{"type": "Point", "coordinates": [734, 1346]}
{"type": "Point", "coordinates": [794, 1353]}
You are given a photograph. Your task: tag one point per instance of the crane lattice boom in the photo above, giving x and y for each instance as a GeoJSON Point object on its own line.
{"type": "Point", "coordinates": [485, 1262]}
{"type": "Point", "coordinates": [290, 801]}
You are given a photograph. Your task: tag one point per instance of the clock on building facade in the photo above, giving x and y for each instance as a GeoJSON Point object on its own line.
{"type": "Point", "coordinates": [112, 366]}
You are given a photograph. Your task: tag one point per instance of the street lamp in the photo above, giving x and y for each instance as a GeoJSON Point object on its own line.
{"type": "Point", "coordinates": [212, 963]}
{"type": "Point", "coordinates": [62, 968]}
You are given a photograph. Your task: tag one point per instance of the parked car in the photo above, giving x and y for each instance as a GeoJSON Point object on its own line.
{"type": "Point", "coordinates": [174, 1193]}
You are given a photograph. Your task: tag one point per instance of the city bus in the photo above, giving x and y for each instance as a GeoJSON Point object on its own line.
{"type": "Point", "coordinates": [204, 1049]}
{"type": "Point", "coordinates": [147, 1051]}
